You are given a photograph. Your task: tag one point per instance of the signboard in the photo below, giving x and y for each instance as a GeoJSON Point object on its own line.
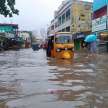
{"type": "Point", "coordinates": [5, 29]}
{"type": "Point", "coordinates": [99, 24]}
{"type": "Point", "coordinates": [97, 4]}
{"type": "Point", "coordinates": [78, 36]}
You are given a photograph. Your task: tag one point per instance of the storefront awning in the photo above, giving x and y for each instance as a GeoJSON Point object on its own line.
{"type": "Point", "coordinates": [78, 36]}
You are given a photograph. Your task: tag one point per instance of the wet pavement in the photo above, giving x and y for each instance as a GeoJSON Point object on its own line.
{"type": "Point", "coordinates": [28, 79]}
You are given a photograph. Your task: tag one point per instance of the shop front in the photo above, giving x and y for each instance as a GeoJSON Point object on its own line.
{"type": "Point", "coordinates": [103, 44]}
{"type": "Point", "coordinates": [100, 23]}
{"type": "Point", "coordinates": [78, 40]}
{"type": "Point", "coordinates": [99, 26]}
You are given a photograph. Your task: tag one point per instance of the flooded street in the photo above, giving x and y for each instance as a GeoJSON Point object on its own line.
{"type": "Point", "coordinates": [28, 79]}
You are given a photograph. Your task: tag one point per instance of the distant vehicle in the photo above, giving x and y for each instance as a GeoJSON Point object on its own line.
{"type": "Point", "coordinates": [60, 45]}
{"type": "Point", "coordinates": [35, 46]}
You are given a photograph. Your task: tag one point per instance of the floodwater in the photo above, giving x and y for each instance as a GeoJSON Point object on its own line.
{"type": "Point", "coordinates": [28, 79]}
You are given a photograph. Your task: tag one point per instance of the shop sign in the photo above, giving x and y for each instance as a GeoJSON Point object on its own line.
{"type": "Point", "coordinates": [99, 24]}
{"type": "Point", "coordinates": [78, 35]}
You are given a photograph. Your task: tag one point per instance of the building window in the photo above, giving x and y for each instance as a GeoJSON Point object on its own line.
{"type": "Point", "coordinates": [56, 25]}
{"type": "Point", "coordinates": [82, 17]}
{"type": "Point", "coordinates": [68, 15]}
{"type": "Point", "coordinates": [68, 29]}
{"type": "Point", "coordinates": [63, 18]}
{"type": "Point", "coordinates": [59, 21]}
{"type": "Point", "coordinates": [52, 27]}
{"type": "Point", "coordinates": [63, 30]}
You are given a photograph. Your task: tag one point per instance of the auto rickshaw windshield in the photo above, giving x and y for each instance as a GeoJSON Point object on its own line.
{"type": "Point", "coordinates": [63, 39]}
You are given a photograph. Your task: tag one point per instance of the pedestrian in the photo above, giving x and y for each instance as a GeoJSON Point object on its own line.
{"type": "Point", "coordinates": [93, 48]}
{"type": "Point", "coordinates": [86, 45]}
{"type": "Point", "coordinates": [49, 48]}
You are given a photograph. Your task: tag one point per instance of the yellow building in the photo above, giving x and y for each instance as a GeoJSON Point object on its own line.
{"type": "Point", "coordinates": [81, 21]}
{"type": "Point", "coordinates": [73, 16]}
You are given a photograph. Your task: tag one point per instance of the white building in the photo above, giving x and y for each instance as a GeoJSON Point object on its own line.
{"type": "Point", "coordinates": [62, 18]}
{"type": "Point", "coordinates": [68, 13]}
{"type": "Point", "coordinates": [25, 35]}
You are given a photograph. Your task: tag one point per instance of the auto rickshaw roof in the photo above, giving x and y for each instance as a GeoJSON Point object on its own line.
{"type": "Point", "coordinates": [50, 35]}
{"type": "Point", "coordinates": [59, 33]}
{"type": "Point", "coordinates": [63, 33]}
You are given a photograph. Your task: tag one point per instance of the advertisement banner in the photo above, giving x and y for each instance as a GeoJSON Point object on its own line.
{"type": "Point", "coordinates": [99, 24]}
{"type": "Point", "coordinates": [78, 35]}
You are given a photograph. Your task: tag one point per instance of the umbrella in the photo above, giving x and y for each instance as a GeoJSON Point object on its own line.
{"type": "Point", "coordinates": [90, 38]}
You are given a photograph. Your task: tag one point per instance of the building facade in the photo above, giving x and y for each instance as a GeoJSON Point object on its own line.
{"type": "Point", "coordinates": [100, 23]}
{"type": "Point", "coordinates": [26, 37]}
{"type": "Point", "coordinates": [73, 16]}
{"type": "Point", "coordinates": [8, 33]}
{"type": "Point", "coordinates": [62, 18]}
{"type": "Point", "coordinates": [81, 22]}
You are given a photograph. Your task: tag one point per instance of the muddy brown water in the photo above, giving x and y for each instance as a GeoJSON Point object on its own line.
{"type": "Point", "coordinates": [28, 79]}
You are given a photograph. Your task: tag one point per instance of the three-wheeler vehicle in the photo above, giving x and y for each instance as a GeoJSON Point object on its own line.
{"type": "Point", "coordinates": [60, 45]}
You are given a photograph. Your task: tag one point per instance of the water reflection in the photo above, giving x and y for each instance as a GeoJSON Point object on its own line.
{"type": "Point", "coordinates": [3, 105]}
{"type": "Point", "coordinates": [78, 79]}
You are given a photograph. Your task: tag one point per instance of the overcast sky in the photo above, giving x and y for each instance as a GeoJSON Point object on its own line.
{"type": "Point", "coordinates": [34, 14]}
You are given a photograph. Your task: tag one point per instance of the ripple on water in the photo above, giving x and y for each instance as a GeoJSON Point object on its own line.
{"type": "Point", "coordinates": [29, 74]}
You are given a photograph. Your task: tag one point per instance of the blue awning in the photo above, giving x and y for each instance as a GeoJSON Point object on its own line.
{"type": "Point", "coordinates": [78, 35]}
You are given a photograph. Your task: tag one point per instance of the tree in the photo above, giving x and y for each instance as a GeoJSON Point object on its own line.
{"type": "Point", "coordinates": [43, 33]}
{"type": "Point", "coordinates": [7, 8]}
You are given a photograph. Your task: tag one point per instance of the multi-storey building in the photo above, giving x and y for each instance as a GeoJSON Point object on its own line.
{"type": "Point", "coordinates": [62, 18]}
{"type": "Point", "coordinates": [81, 21]}
{"type": "Point", "coordinates": [73, 16]}
{"type": "Point", "coordinates": [100, 22]}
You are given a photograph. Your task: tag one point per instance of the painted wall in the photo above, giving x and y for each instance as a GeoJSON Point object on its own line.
{"type": "Point", "coordinates": [81, 17]}
{"type": "Point", "coordinates": [99, 4]}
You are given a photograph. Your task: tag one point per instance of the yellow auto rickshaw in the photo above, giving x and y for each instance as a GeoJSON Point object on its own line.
{"type": "Point", "coordinates": [60, 45]}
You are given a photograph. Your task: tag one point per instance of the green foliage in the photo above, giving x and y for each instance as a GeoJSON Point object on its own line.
{"type": "Point", "coordinates": [7, 8]}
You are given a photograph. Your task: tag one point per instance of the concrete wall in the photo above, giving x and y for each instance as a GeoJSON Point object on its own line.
{"type": "Point", "coordinates": [81, 17]}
